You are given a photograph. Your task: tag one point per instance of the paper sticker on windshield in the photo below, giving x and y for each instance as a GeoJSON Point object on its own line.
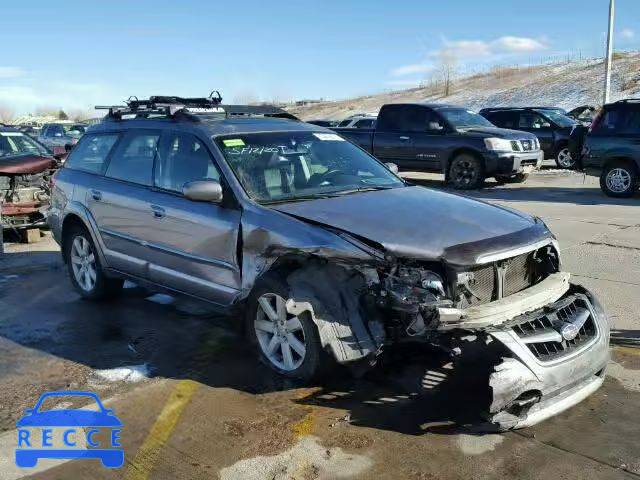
{"type": "Point", "coordinates": [11, 134]}
{"type": "Point", "coordinates": [328, 137]}
{"type": "Point", "coordinates": [233, 142]}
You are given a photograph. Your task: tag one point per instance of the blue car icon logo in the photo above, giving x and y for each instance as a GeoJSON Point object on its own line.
{"type": "Point", "coordinates": [74, 420]}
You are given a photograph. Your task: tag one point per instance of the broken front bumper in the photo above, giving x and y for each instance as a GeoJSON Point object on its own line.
{"type": "Point", "coordinates": [558, 358]}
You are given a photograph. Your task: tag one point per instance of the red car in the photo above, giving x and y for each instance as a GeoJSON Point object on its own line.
{"type": "Point", "coordinates": [26, 167]}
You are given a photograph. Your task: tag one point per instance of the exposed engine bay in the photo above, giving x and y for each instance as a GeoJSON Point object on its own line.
{"type": "Point", "coordinates": [24, 198]}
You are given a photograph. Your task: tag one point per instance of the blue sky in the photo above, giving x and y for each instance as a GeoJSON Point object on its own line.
{"type": "Point", "coordinates": [74, 54]}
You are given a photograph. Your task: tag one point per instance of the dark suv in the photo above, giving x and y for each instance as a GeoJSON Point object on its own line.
{"type": "Point", "coordinates": [550, 125]}
{"type": "Point", "coordinates": [612, 148]}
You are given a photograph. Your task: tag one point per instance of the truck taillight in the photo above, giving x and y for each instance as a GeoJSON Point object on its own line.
{"type": "Point", "coordinates": [596, 120]}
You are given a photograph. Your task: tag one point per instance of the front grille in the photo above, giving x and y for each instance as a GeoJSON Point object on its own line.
{"type": "Point", "coordinates": [531, 161]}
{"type": "Point", "coordinates": [538, 334]}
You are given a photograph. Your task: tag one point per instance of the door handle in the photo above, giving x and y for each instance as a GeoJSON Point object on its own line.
{"type": "Point", "coordinates": [96, 195]}
{"type": "Point", "coordinates": [158, 212]}
{"type": "Point", "coordinates": [404, 138]}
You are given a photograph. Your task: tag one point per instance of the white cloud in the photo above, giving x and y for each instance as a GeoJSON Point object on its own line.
{"type": "Point", "coordinates": [10, 72]}
{"type": "Point", "coordinates": [411, 69]}
{"type": "Point", "coordinates": [473, 49]}
{"type": "Point", "coordinates": [518, 44]}
{"type": "Point", "coordinates": [627, 34]}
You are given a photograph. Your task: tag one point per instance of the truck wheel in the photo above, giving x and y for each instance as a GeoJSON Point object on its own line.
{"type": "Point", "coordinates": [466, 172]}
{"type": "Point", "coordinates": [564, 158]}
{"type": "Point", "coordinates": [619, 179]}
{"type": "Point", "coordinates": [286, 343]}
{"type": "Point", "coordinates": [517, 178]}
{"type": "Point", "coordinates": [87, 275]}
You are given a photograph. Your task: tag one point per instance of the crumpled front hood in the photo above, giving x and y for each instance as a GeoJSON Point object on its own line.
{"type": "Point", "coordinates": [24, 164]}
{"type": "Point", "coordinates": [421, 223]}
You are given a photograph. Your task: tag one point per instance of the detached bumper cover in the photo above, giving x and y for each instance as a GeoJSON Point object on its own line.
{"type": "Point", "coordinates": [531, 385]}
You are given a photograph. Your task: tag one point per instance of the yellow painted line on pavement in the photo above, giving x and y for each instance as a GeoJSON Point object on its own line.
{"type": "Point", "coordinates": [627, 350]}
{"type": "Point", "coordinates": [161, 430]}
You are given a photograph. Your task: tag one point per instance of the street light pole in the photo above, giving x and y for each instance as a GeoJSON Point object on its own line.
{"type": "Point", "coordinates": [607, 73]}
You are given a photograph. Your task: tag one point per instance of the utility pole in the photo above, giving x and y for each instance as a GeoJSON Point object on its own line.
{"type": "Point", "coordinates": [607, 72]}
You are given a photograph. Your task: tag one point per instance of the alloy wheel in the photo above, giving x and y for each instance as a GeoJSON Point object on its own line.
{"type": "Point", "coordinates": [564, 158]}
{"type": "Point", "coordinates": [618, 180]}
{"type": "Point", "coordinates": [463, 173]}
{"type": "Point", "coordinates": [83, 263]}
{"type": "Point", "coordinates": [280, 335]}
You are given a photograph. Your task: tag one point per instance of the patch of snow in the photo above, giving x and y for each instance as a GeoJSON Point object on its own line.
{"type": "Point", "coordinates": [478, 444]}
{"type": "Point", "coordinates": [132, 374]}
{"type": "Point", "coordinates": [306, 459]}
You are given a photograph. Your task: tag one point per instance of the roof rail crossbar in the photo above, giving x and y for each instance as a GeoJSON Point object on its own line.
{"type": "Point", "coordinates": [628, 100]}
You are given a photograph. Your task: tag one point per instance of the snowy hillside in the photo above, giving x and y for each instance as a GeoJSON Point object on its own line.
{"type": "Point", "coordinates": [565, 85]}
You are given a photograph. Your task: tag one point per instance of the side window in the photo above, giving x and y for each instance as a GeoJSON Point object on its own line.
{"type": "Point", "coordinates": [182, 158]}
{"type": "Point", "coordinates": [504, 119]}
{"type": "Point", "coordinates": [434, 122]}
{"type": "Point", "coordinates": [55, 131]}
{"type": "Point", "coordinates": [366, 123]}
{"type": "Point", "coordinates": [344, 123]}
{"type": "Point", "coordinates": [91, 152]}
{"type": "Point", "coordinates": [132, 160]}
{"type": "Point", "coordinates": [532, 120]}
{"type": "Point", "coordinates": [403, 118]}
{"type": "Point", "coordinates": [632, 123]}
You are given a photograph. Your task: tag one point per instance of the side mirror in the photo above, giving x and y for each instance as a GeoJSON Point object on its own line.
{"type": "Point", "coordinates": [392, 167]}
{"type": "Point", "coordinates": [203, 191]}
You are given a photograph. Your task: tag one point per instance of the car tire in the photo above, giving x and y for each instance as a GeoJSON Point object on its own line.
{"type": "Point", "coordinates": [86, 272]}
{"type": "Point", "coordinates": [466, 172]}
{"type": "Point", "coordinates": [290, 345]}
{"type": "Point", "coordinates": [563, 158]}
{"type": "Point", "coordinates": [619, 179]}
{"type": "Point", "coordinates": [517, 178]}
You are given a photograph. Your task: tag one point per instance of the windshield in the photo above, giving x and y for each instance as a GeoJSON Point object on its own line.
{"type": "Point", "coordinates": [288, 166]}
{"type": "Point", "coordinates": [558, 118]}
{"type": "Point", "coordinates": [459, 118]}
{"type": "Point", "coordinates": [17, 143]}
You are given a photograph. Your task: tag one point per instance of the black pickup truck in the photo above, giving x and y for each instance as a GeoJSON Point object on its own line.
{"type": "Point", "coordinates": [463, 145]}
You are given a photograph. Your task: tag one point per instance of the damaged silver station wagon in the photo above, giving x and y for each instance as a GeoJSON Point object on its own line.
{"type": "Point", "coordinates": [324, 250]}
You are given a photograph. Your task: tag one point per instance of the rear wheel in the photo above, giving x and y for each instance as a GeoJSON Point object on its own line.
{"type": "Point", "coordinates": [466, 172]}
{"type": "Point", "coordinates": [564, 158]}
{"type": "Point", "coordinates": [619, 179]}
{"type": "Point", "coordinates": [517, 178]}
{"type": "Point", "coordinates": [289, 344]}
{"type": "Point", "coordinates": [85, 270]}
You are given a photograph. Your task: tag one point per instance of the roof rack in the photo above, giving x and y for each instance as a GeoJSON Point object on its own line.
{"type": "Point", "coordinates": [189, 108]}
{"type": "Point", "coordinates": [628, 100]}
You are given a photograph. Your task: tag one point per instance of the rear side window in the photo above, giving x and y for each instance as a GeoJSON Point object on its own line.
{"type": "Point", "coordinates": [92, 151]}
{"type": "Point", "coordinates": [503, 119]}
{"type": "Point", "coordinates": [182, 158]}
{"type": "Point", "coordinates": [132, 159]}
{"type": "Point", "coordinates": [367, 123]}
{"type": "Point", "coordinates": [404, 118]}
{"type": "Point", "coordinates": [619, 122]}
{"type": "Point", "coordinates": [344, 123]}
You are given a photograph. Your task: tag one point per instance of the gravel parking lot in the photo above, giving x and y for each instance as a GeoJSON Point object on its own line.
{"type": "Point", "coordinates": [196, 404]}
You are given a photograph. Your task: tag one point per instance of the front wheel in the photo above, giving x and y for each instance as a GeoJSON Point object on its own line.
{"type": "Point", "coordinates": [289, 344]}
{"type": "Point", "coordinates": [466, 172]}
{"type": "Point", "coordinates": [619, 179]}
{"type": "Point", "coordinates": [564, 158]}
{"type": "Point", "coordinates": [517, 178]}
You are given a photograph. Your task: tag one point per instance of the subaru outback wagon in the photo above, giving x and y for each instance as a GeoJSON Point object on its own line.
{"type": "Point", "coordinates": [322, 253]}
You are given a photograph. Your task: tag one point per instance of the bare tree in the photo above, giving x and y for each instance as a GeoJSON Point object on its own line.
{"type": "Point", "coordinates": [448, 65]}
{"type": "Point", "coordinates": [7, 114]}
{"type": "Point", "coordinates": [46, 111]}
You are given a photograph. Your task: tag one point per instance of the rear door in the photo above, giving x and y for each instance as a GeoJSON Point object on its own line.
{"type": "Point", "coordinates": [617, 133]}
{"type": "Point", "coordinates": [393, 137]}
{"type": "Point", "coordinates": [119, 201]}
{"type": "Point", "coordinates": [193, 245]}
